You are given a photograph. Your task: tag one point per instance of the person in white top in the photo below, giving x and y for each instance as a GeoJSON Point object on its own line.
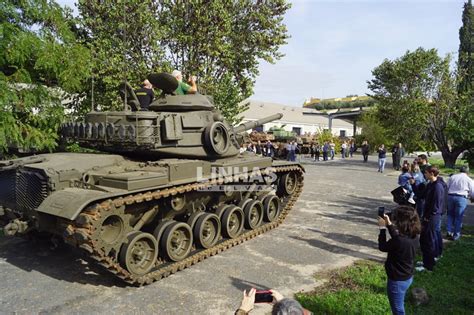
{"type": "Point", "coordinates": [343, 149]}
{"type": "Point", "coordinates": [460, 189]}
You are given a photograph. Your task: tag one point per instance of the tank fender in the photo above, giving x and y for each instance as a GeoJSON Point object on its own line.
{"type": "Point", "coordinates": [68, 203]}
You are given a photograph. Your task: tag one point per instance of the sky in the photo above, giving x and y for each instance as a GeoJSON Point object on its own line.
{"type": "Point", "coordinates": [335, 44]}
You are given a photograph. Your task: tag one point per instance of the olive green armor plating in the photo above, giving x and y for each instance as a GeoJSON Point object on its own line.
{"type": "Point", "coordinates": [174, 191]}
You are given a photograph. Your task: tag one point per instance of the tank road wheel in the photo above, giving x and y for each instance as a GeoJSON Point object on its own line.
{"type": "Point", "coordinates": [139, 254]}
{"type": "Point", "coordinates": [253, 214]}
{"type": "Point", "coordinates": [216, 138]}
{"type": "Point", "coordinates": [177, 241]}
{"type": "Point", "coordinates": [221, 209]}
{"type": "Point", "coordinates": [161, 227]}
{"type": "Point", "coordinates": [287, 184]}
{"type": "Point", "coordinates": [232, 222]}
{"type": "Point", "coordinates": [271, 208]}
{"type": "Point", "coordinates": [207, 230]}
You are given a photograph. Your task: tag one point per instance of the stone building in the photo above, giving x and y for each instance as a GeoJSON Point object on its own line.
{"type": "Point", "coordinates": [297, 119]}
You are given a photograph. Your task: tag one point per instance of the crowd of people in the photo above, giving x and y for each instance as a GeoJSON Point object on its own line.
{"type": "Point", "coordinates": [278, 150]}
{"type": "Point", "coordinates": [428, 197]}
{"type": "Point", "coordinates": [290, 149]}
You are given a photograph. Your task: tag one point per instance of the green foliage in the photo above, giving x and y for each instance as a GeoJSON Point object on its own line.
{"type": "Point", "coordinates": [373, 130]}
{"type": "Point", "coordinates": [327, 136]}
{"type": "Point", "coordinates": [40, 59]}
{"type": "Point", "coordinates": [450, 286]}
{"type": "Point", "coordinates": [324, 105]}
{"type": "Point", "coordinates": [227, 94]}
{"type": "Point", "coordinates": [76, 148]}
{"type": "Point", "coordinates": [418, 103]}
{"type": "Point", "coordinates": [221, 42]}
{"type": "Point", "coordinates": [466, 50]}
{"type": "Point", "coordinates": [469, 158]}
{"type": "Point", "coordinates": [447, 171]}
{"type": "Point", "coordinates": [361, 288]}
{"type": "Point", "coordinates": [466, 70]}
{"type": "Point", "coordinates": [124, 40]}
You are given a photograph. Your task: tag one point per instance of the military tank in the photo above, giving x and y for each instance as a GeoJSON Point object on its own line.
{"type": "Point", "coordinates": [170, 190]}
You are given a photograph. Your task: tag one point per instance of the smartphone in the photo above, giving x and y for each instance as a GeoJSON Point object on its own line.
{"type": "Point", "coordinates": [263, 297]}
{"type": "Point", "coordinates": [381, 211]}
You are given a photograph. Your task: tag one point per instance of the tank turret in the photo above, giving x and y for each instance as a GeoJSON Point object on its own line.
{"type": "Point", "coordinates": [174, 126]}
{"type": "Point", "coordinates": [280, 134]}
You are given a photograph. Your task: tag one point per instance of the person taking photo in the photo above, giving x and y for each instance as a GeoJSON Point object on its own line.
{"type": "Point", "coordinates": [400, 263]}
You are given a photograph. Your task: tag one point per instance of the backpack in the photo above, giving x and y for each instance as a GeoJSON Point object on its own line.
{"type": "Point", "coordinates": [400, 195]}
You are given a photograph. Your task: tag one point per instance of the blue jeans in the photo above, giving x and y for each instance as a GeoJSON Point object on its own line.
{"type": "Point", "coordinates": [456, 207]}
{"type": "Point", "coordinates": [381, 164]}
{"type": "Point", "coordinates": [420, 206]}
{"type": "Point", "coordinates": [439, 236]}
{"type": "Point", "coordinates": [396, 291]}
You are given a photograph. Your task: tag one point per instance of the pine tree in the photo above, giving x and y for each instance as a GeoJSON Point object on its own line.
{"type": "Point", "coordinates": [466, 49]}
{"type": "Point", "coordinates": [466, 71]}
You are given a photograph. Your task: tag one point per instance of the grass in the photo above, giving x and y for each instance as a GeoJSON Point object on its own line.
{"type": "Point", "coordinates": [439, 163]}
{"type": "Point", "coordinates": [361, 288]}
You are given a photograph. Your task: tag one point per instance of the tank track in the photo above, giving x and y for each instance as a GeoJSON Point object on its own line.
{"type": "Point", "coordinates": [79, 232]}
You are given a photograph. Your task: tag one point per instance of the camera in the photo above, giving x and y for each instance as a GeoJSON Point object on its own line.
{"type": "Point", "coordinates": [263, 296]}
{"type": "Point", "coordinates": [381, 211]}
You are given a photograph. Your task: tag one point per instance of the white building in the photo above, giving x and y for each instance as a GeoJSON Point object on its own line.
{"type": "Point", "coordinates": [294, 119]}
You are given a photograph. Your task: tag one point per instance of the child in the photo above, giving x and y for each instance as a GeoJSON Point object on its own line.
{"type": "Point", "coordinates": [404, 181]}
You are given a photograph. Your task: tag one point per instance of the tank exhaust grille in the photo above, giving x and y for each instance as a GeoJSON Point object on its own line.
{"type": "Point", "coordinates": [32, 189]}
{"type": "Point", "coordinates": [7, 188]}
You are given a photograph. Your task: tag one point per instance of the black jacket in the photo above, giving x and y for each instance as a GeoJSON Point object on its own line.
{"type": "Point", "coordinates": [435, 198]}
{"type": "Point", "coordinates": [400, 263]}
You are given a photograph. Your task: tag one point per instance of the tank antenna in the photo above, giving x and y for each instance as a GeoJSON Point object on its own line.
{"type": "Point", "coordinates": [125, 54]}
{"type": "Point", "coordinates": [92, 81]}
{"type": "Point", "coordinates": [92, 73]}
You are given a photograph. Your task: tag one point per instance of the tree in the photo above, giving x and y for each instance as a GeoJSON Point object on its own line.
{"type": "Point", "coordinates": [466, 70]}
{"type": "Point", "coordinates": [40, 61]}
{"type": "Point", "coordinates": [221, 42]}
{"type": "Point", "coordinates": [124, 39]}
{"type": "Point", "coordinates": [372, 130]}
{"type": "Point", "coordinates": [418, 102]}
{"type": "Point", "coordinates": [466, 49]}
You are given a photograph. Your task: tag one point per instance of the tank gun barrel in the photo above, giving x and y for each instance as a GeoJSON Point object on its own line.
{"type": "Point", "coordinates": [255, 123]}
